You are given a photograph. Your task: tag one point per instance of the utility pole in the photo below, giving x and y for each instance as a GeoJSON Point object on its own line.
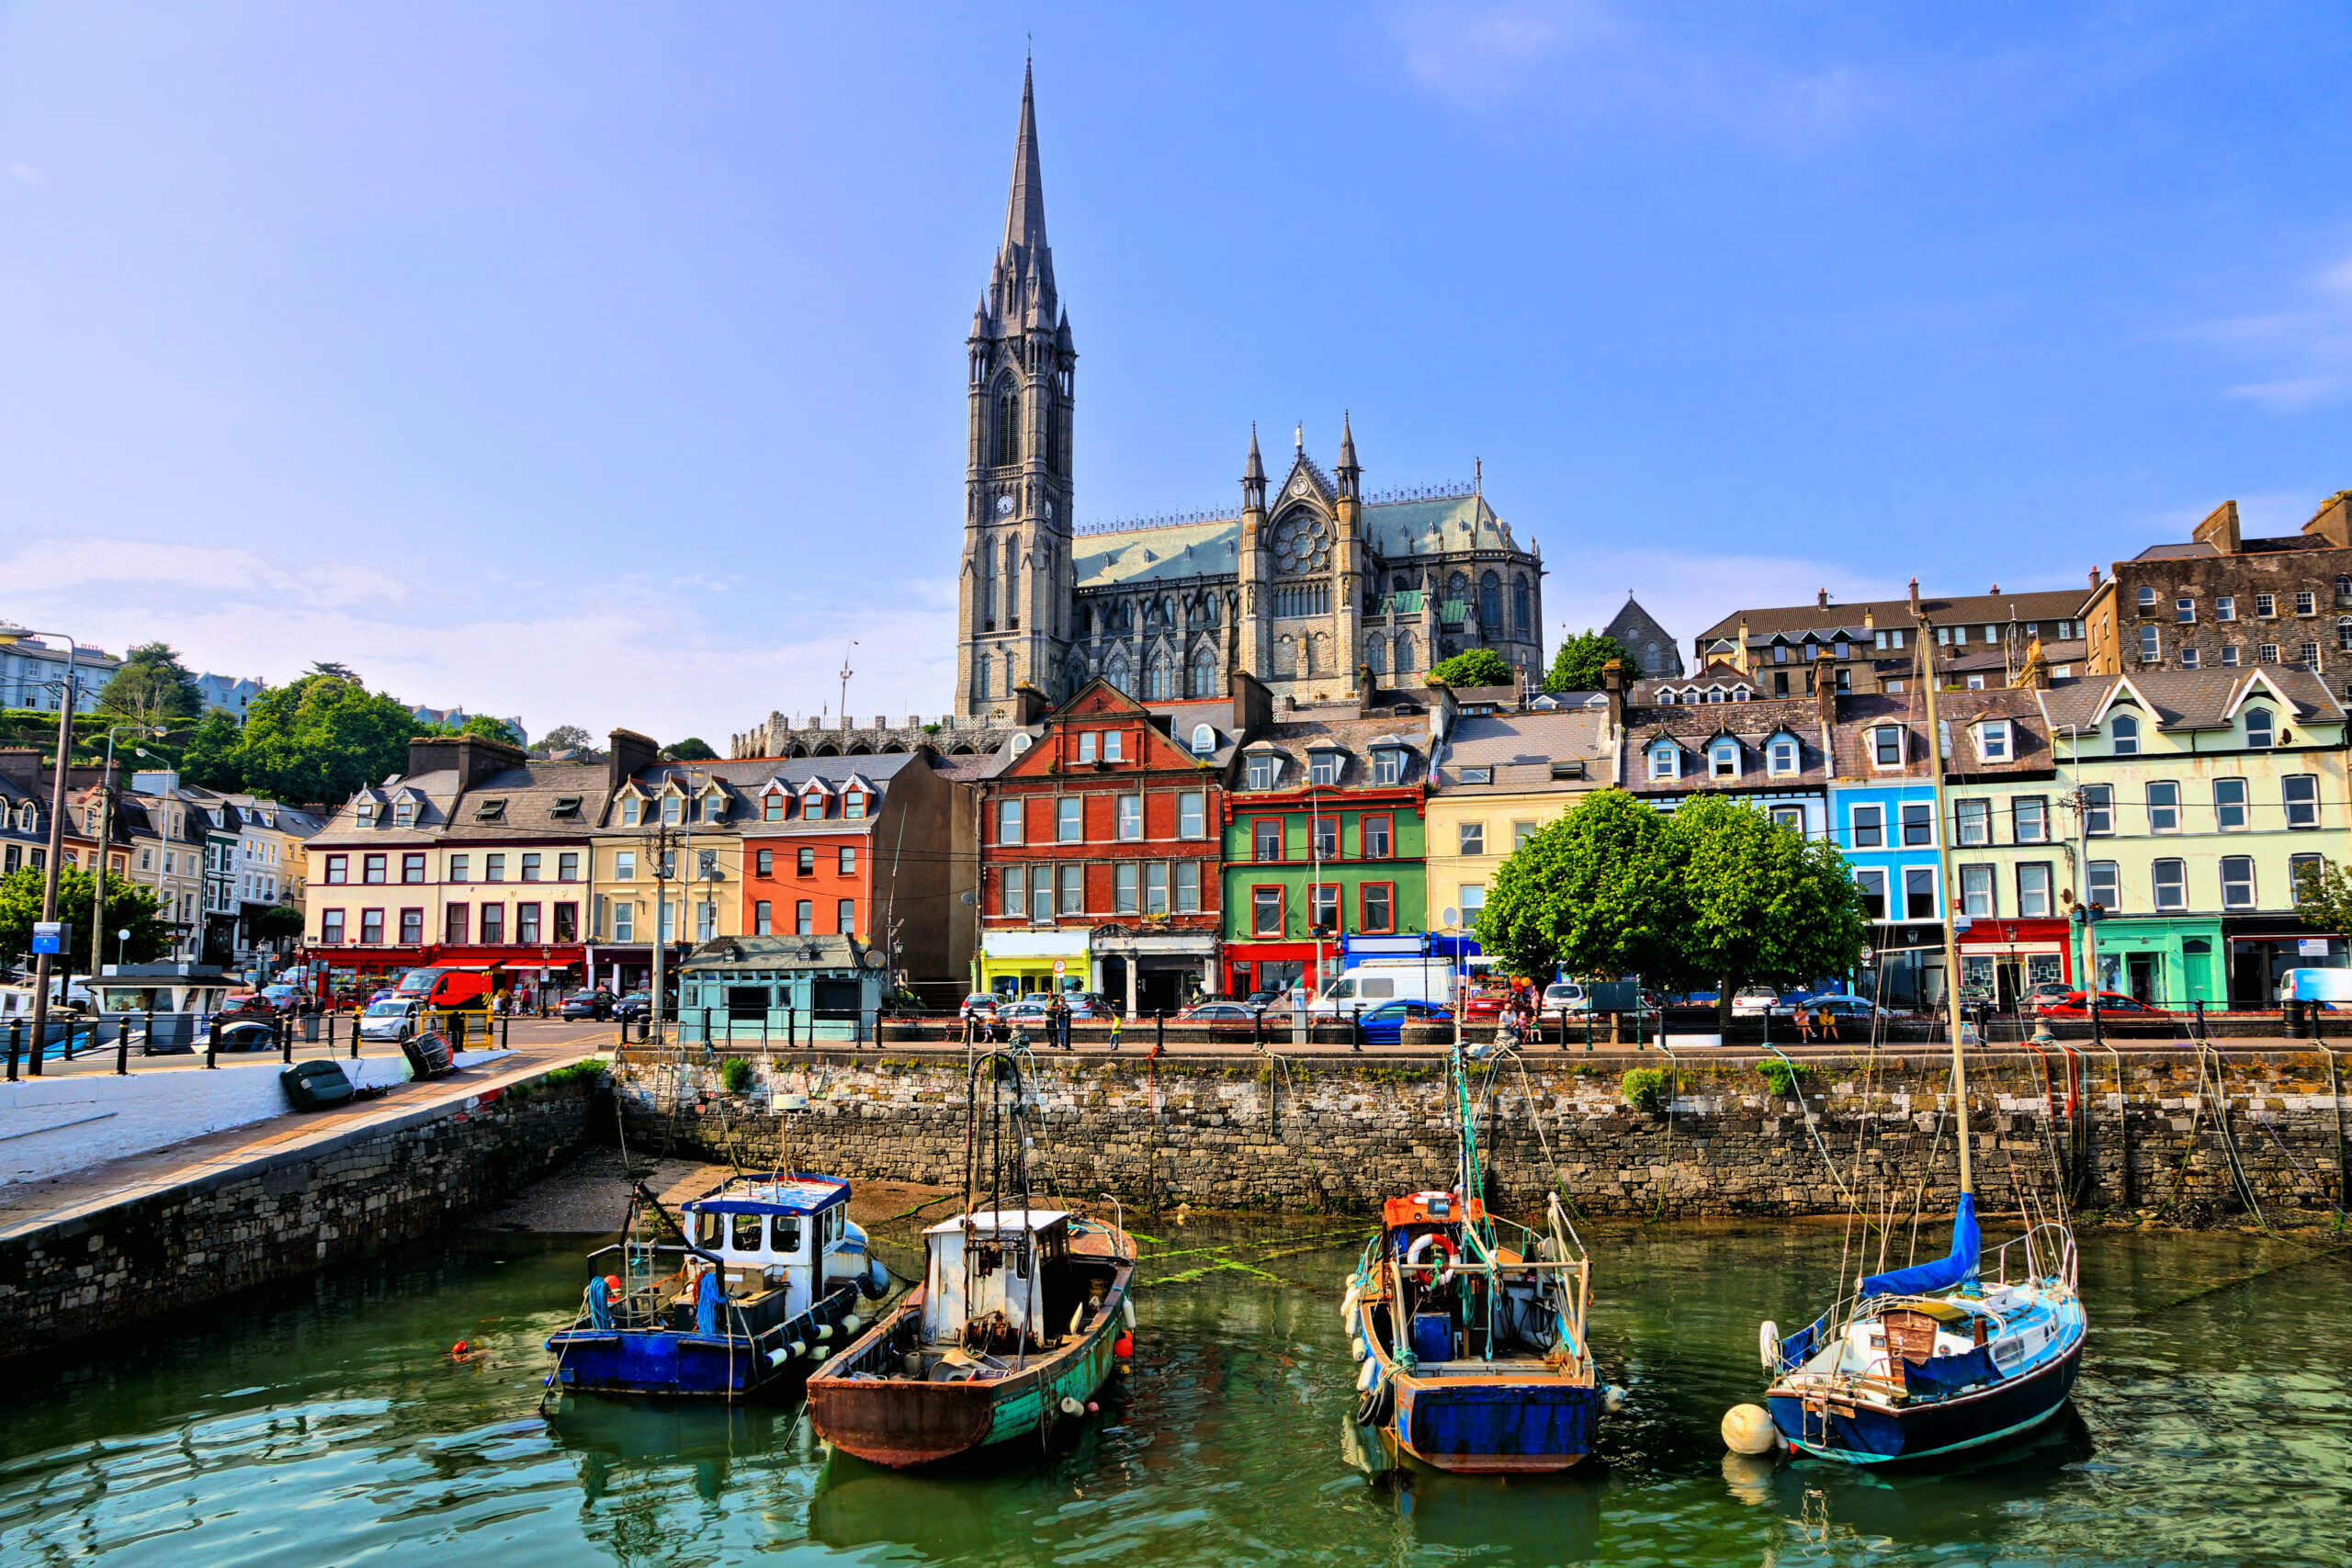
{"type": "Point", "coordinates": [846, 673]}
{"type": "Point", "coordinates": [65, 695]}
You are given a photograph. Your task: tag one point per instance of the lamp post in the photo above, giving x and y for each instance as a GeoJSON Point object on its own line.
{"type": "Point", "coordinates": [98, 867]}
{"type": "Point", "coordinates": [65, 696]}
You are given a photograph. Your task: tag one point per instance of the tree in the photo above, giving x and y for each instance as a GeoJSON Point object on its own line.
{"type": "Point", "coordinates": [213, 760]}
{"type": "Point", "coordinates": [1716, 892]}
{"type": "Point", "coordinates": [321, 739]}
{"type": "Point", "coordinates": [692, 749]}
{"type": "Point", "coordinates": [567, 736]}
{"type": "Point", "coordinates": [337, 669]}
{"type": "Point", "coordinates": [151, 687]}
{"type": "Point", "coordinates": [1476, 667]}
{"type": "Point", "coordinates": [1576, 666]}
{"type": "Point", "coordinates": [129, 906]}
{"type": "Point", "coordinates": [2324, 897]}
{"type": "Point", "coordinates": [491, 729]}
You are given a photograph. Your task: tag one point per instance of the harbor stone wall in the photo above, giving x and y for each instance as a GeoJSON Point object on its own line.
{"type": "Point", "coordinates": [2195, 1138]}
{"type": "Point", "coordinates": [280, 1217]}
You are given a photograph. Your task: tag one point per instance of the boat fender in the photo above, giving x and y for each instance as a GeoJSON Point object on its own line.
{"type": "Point", "coordinates": [1367, 1378]}
{"type": "Point", "coordinates": [781, 1354]}
{"type": "Point", "coordinates": [796, 1348]}
{"type": "Point", "coordinates": [1092, 1408]}
{"type": "Point", "coordinates": [877, 1283]}
{"type": "Point", "coordinates": [1747, 1430]}
{"type": "Point", "coordinates": [1071, 1406]}
{"type": "Point", "coordinates": [1348, 1303]}
{"type": "Point", "coordinates": [1128, 1312]}
{"type": "Point", "coordinates": [1767, 1347]}
{"type": "Point", "coordinates": [824, 1332]}
{"type": "Point", "coordinates": [1356, 1347]}
{"type": "Point", "coordinates": [852, 1324]}
{"type": "Point", "coordinates": [1124, 1346]}
{"type": "Point", "coordinates": [1372, 1409]}
{"type": "Point", "coordinates": [1612, 1399]}
{"type": "Point", "coordinates": [1427, 1242]}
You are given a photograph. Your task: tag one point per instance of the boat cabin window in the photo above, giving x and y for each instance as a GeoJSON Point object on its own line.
{"type": "Point", "coordinates": [784, 1235]}
{"type": "Point", "coordinates": [747, 1233]}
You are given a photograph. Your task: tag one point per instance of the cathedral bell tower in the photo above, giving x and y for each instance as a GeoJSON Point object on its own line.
{"type": "Point", "coordinates": [1017, 578]}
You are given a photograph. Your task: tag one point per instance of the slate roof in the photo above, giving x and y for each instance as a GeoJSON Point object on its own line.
{"type": "Point", "coordinates": [2192, 699]}
{"type": "Point", "coordinates": [1859, 715]}
{"type": "Point", "coordinates": [1169, 552]}
{"type": "Point", "coordinates": [2245, 548]}
{"type": "Point", "coordinates": [1752, 724]}
{"type": "Point", "coordinates": [448, 816]}
{"type": "Point", "coordinates": [1977, 609]}
{"type": "Point", "coordinates": [1299, 740]}
{"type": "Point", "coordinates": [1521, 746]}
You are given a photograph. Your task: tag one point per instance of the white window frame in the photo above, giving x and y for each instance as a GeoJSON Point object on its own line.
{"type": "Point", "coordinates": [1665, 761]}
{"type": "Point", "coordinates": [1992, 741]}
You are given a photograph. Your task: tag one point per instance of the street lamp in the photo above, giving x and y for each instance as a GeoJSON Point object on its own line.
{"type": "Point", "coordinates": [99, 865]}
{"type": "Point", "coordinates": [65, 695]}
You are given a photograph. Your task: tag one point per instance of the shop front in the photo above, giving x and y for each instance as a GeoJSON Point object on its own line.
{"type": "Point", "coordinates": [2164, 962]}
{"type": "Point", "coordinates": [1254, 966]}
{"type": "Point", "coordinates": [522, 972]}
{"type": "Point", "coordinates": [1016, 963]}
{"type": "Point", "coordinates": [1905, 968]}
{"type": "Point", "coordinates": [2263, 947]}
{"type": "Point", "coordinates": [2002, 961]}
{"type": "Point", "coordinates": [1144, 971]}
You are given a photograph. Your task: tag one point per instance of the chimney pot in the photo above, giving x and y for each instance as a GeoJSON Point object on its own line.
{"type": "Point", "coordinates": [2094, 577]}
{"type": "Point", "coordinates": [1821, 598]}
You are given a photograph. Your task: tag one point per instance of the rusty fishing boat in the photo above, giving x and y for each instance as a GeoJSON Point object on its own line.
{"type": "Point", "coordinates": [1023, 1312]}
{"type": "Point", "coordinates": [1469, 1330]}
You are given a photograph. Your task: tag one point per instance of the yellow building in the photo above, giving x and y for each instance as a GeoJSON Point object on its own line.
{"type": "Point", "coordinates": [1498, 777]}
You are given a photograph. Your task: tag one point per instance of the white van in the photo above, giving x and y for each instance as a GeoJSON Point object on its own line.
{"type": "Point", "coordinates": [1368, 985]}
{"type": "Point", "coordinates": [2333, 987]}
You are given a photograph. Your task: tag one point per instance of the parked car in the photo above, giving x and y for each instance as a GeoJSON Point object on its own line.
{"type": "Point", "coordinates": [1566, 996]}
{"type": "Point", "coordinates": [244, 1035]}
{"type": "Point", "coordinates": [1845, 1007]}
{"type": "Point", "coordinates": [1221, 1012]}
{"type": "Point", "coordinates": [577, 1006]}
{"type": "Point", "coordinates": [1384, 1025]}
{"type": "Point", "coordinates": [248, 1004]}
{"type": "Point", "coordinates": [980, 1004]}
{"type": "Point", "coordinates": [394, 1021]}
{"type": "Point", "coordinates": [1089, 1004]}
{"type": "Point", "coordinates": [2077, 1004]}
{"type": "Point", "coordinates": [634, 1008]}
{"type": "Point", "coordinates": [1749, 1000]}
{"type": "Point", "coordinates": [1023, 1011]}
{"type": "Point", "coordinates": [1268, 997]}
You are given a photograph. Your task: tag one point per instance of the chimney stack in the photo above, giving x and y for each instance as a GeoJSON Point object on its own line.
{"type": "Point", "coordinates": [629, 753]}
{"type": "Point", "coordinates": [1825, 688]}
{"type": "Point", "coordinates": [1821, 598]}
{"type": "Point", "coordinates": [1915, 597]}
{"type": "Point", "coordinates": [2094, 578]}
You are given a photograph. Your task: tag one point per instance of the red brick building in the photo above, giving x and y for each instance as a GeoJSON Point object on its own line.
{"type": "Point", "coordinates": [1100, 851]}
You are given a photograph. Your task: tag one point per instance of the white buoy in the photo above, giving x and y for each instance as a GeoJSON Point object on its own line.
{"type": "Point", "coordinates": [1357, 1348]}
{"type": "Point", "coordinates": [1612, 1399]}
{"type": "Point", "coordinates": [1366, 1378]}
{"type": "Point", "coordinates": [852, 1324]}
{"type": "Point", "coordinates": [1768, 1344]}
{"type": "Point", "coordinates": [1128, 1312]}
{"type": "Point", "coordinates": [1071, 1406]}
{"type": "Point", "coordinates": [1747, 1430]}
{"type": "Point", "coordinates": [776, 1356]}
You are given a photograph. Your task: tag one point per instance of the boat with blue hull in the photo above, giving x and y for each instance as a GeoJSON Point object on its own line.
{"type": "Point", "coordinates": [754, 1285]}
{"type": "Point", "coordinates": [1928, 1361]}
{"type": "Point", "coordinates": [1469, 1330]}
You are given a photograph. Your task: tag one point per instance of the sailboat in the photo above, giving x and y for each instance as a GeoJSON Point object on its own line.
{"type": "Point", "coordinates": [1470, 1330]}
{"type": "Point", "coordinates": [1932, 1359]}
{"type": "Point", "coordinates": [1021, 1316]}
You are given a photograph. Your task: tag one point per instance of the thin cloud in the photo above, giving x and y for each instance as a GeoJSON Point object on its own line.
{"type": "Point", "coordinates": [26, 175]}
{"type": "Point", "coordinates": [2311, 345]}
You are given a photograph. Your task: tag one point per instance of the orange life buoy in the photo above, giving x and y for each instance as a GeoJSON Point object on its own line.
{"type": "Point", "coordinates": [1414, 1254]}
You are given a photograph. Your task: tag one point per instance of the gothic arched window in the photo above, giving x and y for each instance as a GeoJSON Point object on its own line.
{"type": "Point", "coordinates": [1457, 589]}
{"type": "Point", "coordinates": [1074, 677]}
{"type": "Point", "coordinates": [1523, 622]}
{"type": "Point", "coordinates": [1204, 673]}
{"type": "Point", "coordinates": [1376, 653]}
{"type": "Point", "coordinates": [1054, 434]}
{"type": "Point", "coordinates": [1118, 673]}
{"type": "Point", "coordinates": [1007, 423]}
{"type": "Point", "coordinates": [1011, 583]}
{"type": "Point", "coordinates": [1159, 678]}
{"type": "Point", "coordinates": [980, 677]}
{"type": "Point", "coordinates": [1490, 603]}
{"type": "Point", "coordinates": [984, 589]}
{"type": "Point", "coordinates": [1207, 614]}
{"type": "Point", "coordinates": [1404, 652]}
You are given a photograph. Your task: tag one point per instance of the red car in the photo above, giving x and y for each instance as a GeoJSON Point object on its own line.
{"type": "Point", "coordinates": [2077, 1004]}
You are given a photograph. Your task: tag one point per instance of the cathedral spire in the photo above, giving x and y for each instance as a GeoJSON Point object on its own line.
{"type": "Point", "coordinates": [1025, 213]}
{"type": "Point", "coordinates": [1253, 475]}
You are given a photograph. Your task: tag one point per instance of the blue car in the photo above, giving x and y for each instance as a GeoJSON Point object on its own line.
{"type": "Point", "coordinates": [1384, 1025]}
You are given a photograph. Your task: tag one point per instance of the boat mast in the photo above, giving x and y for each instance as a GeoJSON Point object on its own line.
{"type": "Point", "coordinates": [1943, 881]}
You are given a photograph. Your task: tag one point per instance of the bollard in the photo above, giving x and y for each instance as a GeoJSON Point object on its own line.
{"type": "Point", "coordinates": [1158, 1030]}
{"type": "Point", "coordinates": [212, 1048]}
{"type": "Point", "coordinates": [16, 1044]}
{"type": "Point", "coordinates": [122, 1049]}
{"type": "Point", "coordinates": [1258, 1028]}
{"type": "Point", "coordinates": [506, 1031]}
{"type": "Point", "coordinates": [355, 1038]}
{"type": "Point", "coordinates": [284, 1041]}
{"type": "Point", "coordinates": [1356, 1042]}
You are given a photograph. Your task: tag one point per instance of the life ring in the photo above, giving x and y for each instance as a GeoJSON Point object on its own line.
{"type": "Point", "coordinates": [1767, 1344]}
{"type": "Point", "coordinates": [1413, 1255]}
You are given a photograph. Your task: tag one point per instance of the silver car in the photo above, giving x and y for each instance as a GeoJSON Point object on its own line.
{"type": "Point", "coordinates": [394, 1021]}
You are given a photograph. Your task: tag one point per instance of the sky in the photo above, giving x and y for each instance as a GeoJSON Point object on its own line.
{"type": "Point", "coordinates": [603, 365]}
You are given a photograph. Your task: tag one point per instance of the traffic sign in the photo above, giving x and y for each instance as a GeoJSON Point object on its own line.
{"type": "Point", "coordinates": [1061, 965]}
{"type": "Point", "coordinates": [52, 936]}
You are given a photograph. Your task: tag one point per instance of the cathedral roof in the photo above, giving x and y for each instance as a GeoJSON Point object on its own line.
{"type": "Point", "coordinates": [1167, 553]}
{"type": "Point", "coordinates": [1399, 529]}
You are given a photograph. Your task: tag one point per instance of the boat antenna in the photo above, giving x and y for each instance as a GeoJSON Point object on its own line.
{"type": "Point", "coordinates": [1943, 881]}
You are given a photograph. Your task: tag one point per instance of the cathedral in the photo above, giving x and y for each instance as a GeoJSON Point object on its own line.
{"type": "Point", "coordinates": [1317, 588]}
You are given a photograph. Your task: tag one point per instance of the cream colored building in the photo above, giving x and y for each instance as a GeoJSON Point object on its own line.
{"type": "Point", "coordinates": [1499, 778]}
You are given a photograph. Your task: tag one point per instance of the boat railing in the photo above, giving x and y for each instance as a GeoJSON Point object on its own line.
{"type": "Point", "coordinates": [2046, 1257]}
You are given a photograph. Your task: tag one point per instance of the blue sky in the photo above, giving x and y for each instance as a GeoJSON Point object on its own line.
{"type": "Point", "coordinates": [604, 365]}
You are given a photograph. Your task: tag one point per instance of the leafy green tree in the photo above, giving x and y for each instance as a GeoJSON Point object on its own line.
{"type": "Point", "coordinates": [1594, 892]}
{"type": "Point", "coordinates": [692, 749]}
{"type": "Point", "coordinates": [321, 739]}
{"type": "Point", "coordinates": [491, 729]}
{"type": "Point", "coordinates": [129, 906]}
{"type": "Point", "coordinates": [214, 757]}
{"type": "Point", "coordinates": [567, 736]}
{"type": "Point", "coordinates": [1576, 666]}
{"type": "Point", "coordinates": [337, 669]}
{"type": "Point", "coordinates": [150, 686]}
{"type": "Point", "coordinates": [1476, 667]}
{"type": "Point", "coordinates": [2324, 897]}
{"type": "Point", "coordinates": [1716, 892]}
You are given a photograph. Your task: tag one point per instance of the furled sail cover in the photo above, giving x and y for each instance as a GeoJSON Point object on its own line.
{"type": "Point", "coordinates": [1945, 1272]}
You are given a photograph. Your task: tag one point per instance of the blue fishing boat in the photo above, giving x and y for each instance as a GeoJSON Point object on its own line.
{"type": "Point", "coordinates": [1931, 1360]}
{"type": "Point", "coordinates": [754, 1283]}
{"type": "Point", "coordinates": [1469, 1330]}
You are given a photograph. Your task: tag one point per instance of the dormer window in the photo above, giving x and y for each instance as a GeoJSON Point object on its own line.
{"type": "Point", "coordinates": [2124, 731]}
{"type": "Point", "coordinates": [1265, 770]}
{"type": "Point", "coordinates": [812, 803]}
{"type": "Point", "coordinates": [1783, 754]}
{"type": "Point", "coordinates": [2260, 736]}
{"type": "Point", "coordinates": [632, 811]}
{"type": "Point", "coordinates": [1992, 741]}
{"type": "Point", "coordinates": [852, 802]}
{"type": "Point", "coordinates": [772, 807]}
{"type": "Point", "coordinates": [1740, 694]}
{"type": "Point", "coordinates": [1389, 765]}
{"type": "Point", "coordinates": [1886, 746]}
{"type": "Point", "coordinates": [1323, 767]}
{"type": "Point", "coordinates": [714, 807]}
{"type": "Point", "coordinates": [1204, 741]}
{"type": "Point", "coordinates": [1665, 761]}
{"type": "Point", "coordinates": [404, 814]}
{"type": "Point", "coordinates": [368, 811]}
{"type": "Point", "coordinates": [1723, 759]}
{"type": "Point", "coordinates": [672, 808]}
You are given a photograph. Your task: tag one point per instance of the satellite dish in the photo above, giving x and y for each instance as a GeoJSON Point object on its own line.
{"type": "Point", "coordinates": [1449, 916]}
{"type": "Point", "coordinates": [969, 899]}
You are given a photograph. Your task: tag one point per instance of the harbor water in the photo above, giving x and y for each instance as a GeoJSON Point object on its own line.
{"type": "Point", "coordinates": [329, 1424]}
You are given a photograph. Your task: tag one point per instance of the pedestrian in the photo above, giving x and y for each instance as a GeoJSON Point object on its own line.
{"type": "Point", "coordinates": [1117, 1022]}
{"type": "Point", "coordinates": [1058, 1015]}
